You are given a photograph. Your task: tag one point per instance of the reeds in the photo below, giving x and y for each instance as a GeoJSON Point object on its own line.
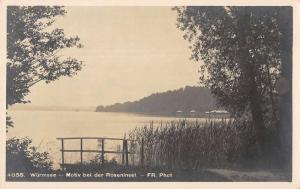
{"type": "Point", "coordinates": [191, 145]}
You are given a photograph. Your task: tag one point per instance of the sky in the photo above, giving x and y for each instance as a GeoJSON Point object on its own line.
{"type": "Point", "coordinates": [129, 53]}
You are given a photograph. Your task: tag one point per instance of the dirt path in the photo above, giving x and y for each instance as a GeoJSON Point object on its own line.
{"type": "Point", "coordinates": [236, 175]}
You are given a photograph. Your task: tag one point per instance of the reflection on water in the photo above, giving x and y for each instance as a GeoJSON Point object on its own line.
{"type": "Point", "coordinates": [43, 127]}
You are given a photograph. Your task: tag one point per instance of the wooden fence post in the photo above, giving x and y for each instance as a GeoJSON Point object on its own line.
{"type": "Point", "coordinates": [123, 149]}
{"type": "Point", "coordinates": [81, 152]}
{"type": "Point", "coordinates": [142, 152]}
{"type": "Point", "coordinates": [126, 152]}
{"type": "Point", "coordinates": [62, 154]}
{"type": "Point", "coordinates": [102, 145]}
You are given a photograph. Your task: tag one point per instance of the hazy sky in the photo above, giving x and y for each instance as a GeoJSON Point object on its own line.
{"type": "Point", "coordinates": [129, 53]}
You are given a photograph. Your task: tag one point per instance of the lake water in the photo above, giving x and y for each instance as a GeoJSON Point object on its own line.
{"type": "Point", "coordinates": [43, 127]}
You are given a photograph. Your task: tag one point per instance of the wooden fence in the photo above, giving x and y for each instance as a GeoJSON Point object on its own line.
{"type": "Point", "coordinates": [101, 151]}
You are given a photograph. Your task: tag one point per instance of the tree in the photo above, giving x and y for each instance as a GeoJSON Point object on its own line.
{"type": "Point", "coordinates": [33, 50]}
{"type": "Point", "coordinates": [243, 55]}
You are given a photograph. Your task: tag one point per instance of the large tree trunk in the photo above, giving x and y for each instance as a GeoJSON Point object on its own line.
{"type": "Point", "coordinates": [256, 111]}
{"type": "Point", "coordinates": [249, 83]}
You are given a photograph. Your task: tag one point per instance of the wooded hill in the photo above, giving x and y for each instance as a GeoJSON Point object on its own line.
{"type": "Point", "coordinates": [185, 99]}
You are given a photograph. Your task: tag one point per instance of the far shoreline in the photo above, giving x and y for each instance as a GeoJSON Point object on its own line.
{"type": "Point", "coordinates": [146, 114]}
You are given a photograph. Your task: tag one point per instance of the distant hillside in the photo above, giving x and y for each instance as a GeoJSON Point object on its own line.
{"type": "Point", "coordinates": [184, 99]}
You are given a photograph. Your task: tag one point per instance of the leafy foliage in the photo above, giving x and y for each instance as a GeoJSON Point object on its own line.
{"type": "Point", "coordinates": [33, 50]}
{"type": "Point", "coordinates": [231, 50]}
{"type": "Point", "coordinates": [21, 156]}
{"type": "Point", "coordinates": [243, 59]}
{"type": "Point", "coordinates": [9, 122]}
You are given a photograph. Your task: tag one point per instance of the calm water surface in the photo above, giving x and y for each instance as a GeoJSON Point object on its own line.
{"type": "Point", "coordinates": [43, 127]}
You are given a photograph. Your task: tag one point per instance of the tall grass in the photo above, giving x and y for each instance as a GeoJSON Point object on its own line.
{"type": "Point", "coordinates": [191, 145]}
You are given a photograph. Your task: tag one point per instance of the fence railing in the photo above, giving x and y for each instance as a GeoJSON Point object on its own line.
{"type": "Point", "coordinates": [125, 152]}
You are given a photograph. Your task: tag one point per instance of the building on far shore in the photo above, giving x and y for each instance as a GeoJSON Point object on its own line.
{"type": "Point", "coordinates": [179, 113]}
{"type": "Point", "coordinates": [193, 113]}
{"type": "Point", "coordinates": [217, 113]}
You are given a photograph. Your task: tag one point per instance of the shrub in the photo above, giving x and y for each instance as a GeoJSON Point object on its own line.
{"type": "Point", "coordinates": [21, 156]}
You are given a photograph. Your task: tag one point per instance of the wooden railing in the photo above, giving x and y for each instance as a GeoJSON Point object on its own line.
{"type": "Point", "coordinates": [124, 151]}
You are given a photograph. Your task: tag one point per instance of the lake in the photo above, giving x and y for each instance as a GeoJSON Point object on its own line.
{"type": "Point", "coordinates": [43, 127]}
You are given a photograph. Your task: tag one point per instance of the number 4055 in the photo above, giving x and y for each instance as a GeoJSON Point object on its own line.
{"type": "Point", "coordinates": [15, 175]}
